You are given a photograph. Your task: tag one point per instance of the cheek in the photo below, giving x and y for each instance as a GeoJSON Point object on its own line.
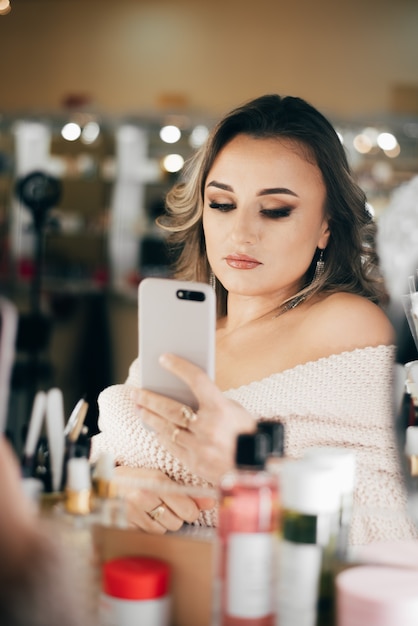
{"type": "Point", "coordinates": [210, 232]}
{"type": "Point", "coordinates": [294, 248]}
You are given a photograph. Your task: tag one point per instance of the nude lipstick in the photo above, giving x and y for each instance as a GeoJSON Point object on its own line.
{"type": "Point", "coordinates": [242, 262]}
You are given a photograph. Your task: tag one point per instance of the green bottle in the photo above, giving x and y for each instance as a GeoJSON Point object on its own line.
{"type": "Point", "coordinates": [310, 498]}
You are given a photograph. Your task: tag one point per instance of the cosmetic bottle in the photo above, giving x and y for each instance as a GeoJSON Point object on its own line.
{"type": "Point", "coordinates": [76, 448]}
{"type": "Point", "coordinates": [406, 413]}
{"type": "Point", "coordinates": [103, 476]}
{"type": "Point", "coordinates": [411, 451]}
{"type": "Point", "coordinates": [78, 492]}
{"type": "Point", "coordinates": [274, 461]}
{"type": "Point", "coordinates": [42, 464]}
{"type": "Point", "coordinates": [135, 591]}
{"type": "Point", "coordinates": [111, 508]}
{"type": "Point", "coordinates": [275, 455]}
{"type": "Point", "coordinates": [310, 522]}
{"type": "Point", "coordinates": [411, 386]}
{"type": "Point", "coordinates": [247, 537]}
{"type": "Point", "coordinates": [344, 463]}
{"type": "Point", "coordinates": [75, 518]}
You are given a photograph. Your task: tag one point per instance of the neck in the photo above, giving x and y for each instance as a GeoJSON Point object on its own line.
{"type": "Point", "coordinates": [243, 311]}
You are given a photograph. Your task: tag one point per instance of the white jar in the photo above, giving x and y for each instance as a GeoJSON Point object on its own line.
{"type": "Point", "coordinates": [135, 590]}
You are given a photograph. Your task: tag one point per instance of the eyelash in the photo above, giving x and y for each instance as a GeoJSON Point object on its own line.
{"type": "Point", "coordinates": [269, 213]}
{"type": "Point", "coordinates": [277, 213]}
{"type": "Point", "coordinates": [219, 206]}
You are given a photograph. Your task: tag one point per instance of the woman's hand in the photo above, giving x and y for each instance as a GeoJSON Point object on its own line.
{"type": "Point", "coordinates": [204, 440]}
{"type": "Point", "coordinates": [159, 505]}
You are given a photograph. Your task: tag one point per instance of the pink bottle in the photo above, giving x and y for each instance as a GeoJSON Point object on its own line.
{"type": "Point", "coordinates": [247, 537]}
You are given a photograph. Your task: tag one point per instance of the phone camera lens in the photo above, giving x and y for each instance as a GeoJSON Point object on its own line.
{"type": "Point", "coordinates": [197, 296]}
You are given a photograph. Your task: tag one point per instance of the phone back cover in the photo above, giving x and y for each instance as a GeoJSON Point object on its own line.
{"type": "Point", "coordinates": [169, 324]}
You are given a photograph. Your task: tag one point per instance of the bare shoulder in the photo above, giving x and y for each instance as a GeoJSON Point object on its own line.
{"type": "Point", "coordinates": [346, 321]}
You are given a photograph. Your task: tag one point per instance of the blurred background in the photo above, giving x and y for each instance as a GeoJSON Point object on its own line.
{"type": "Point", "coordinates": [101, 102]}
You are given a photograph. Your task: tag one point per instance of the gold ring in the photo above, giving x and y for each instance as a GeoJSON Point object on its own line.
{"type": "Point", "coordinates": [188, 414]}
{"type": "Point", "coordinates": [174, 435]}
{"type": "Point", "coordinates": [157, 512]}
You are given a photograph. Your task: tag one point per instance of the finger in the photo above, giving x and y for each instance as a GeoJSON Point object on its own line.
{"type": "Point", "coordinates": [173, 437]}
{"type": "Point", "coordinates": [157, 519]}
{"type": "Point", "coordinates": [198, 381]}
{"type": "Point", "coordinates": [183, 506]}
{"type": "Point", "coordinates": [168, 432]}
{"type": "Point", "coordinates": [205, 504]}
{"type": "Point", "coordinates": [154, 404]}
{"type": "Point", "coordinates": [166, 517]}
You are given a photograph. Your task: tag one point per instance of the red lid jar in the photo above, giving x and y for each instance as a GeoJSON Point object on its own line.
{"type": "Point", "coordinates": [135, 588]}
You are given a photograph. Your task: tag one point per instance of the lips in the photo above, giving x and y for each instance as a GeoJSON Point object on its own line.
{"type": "Point", "coordinates": [242, 262]}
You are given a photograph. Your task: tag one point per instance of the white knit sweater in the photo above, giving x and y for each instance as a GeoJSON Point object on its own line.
{"type": "Point", "coordinates": [341, 400]}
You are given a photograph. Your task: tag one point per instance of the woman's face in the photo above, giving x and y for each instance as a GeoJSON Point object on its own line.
{"type": "Point", "coordinates": [263, 216]}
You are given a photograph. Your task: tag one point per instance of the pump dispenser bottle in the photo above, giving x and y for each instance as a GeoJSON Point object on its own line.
{"type": "Point", "coordinates": [247, 529]}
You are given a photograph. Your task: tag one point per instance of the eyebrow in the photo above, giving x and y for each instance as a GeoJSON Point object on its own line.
{"type": "Point", "coordinates": [262, 192]}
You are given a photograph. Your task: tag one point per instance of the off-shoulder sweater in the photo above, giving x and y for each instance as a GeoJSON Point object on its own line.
{"type": "Point", "coordinates": [341, 400]}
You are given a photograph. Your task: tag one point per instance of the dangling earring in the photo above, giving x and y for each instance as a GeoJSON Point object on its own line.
{"type": "Point", "coordinates": [212, 279]}
{"type": "Point", "coordinates": [320, 266]}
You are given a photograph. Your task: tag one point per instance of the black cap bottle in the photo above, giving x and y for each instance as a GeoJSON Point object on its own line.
{"type": "Point", "coordinates": [247, 535]}
{"type": "Point", "coordinates": [275, 433]}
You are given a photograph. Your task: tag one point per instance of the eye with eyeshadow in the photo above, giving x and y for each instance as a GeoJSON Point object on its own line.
{"type": "Point", "coordinates": [276, 213]}
{"type": "Point", "coordinates": [222, 206]}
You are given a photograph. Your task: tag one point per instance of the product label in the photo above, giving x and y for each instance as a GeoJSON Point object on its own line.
{"type": "Point", "coordinates": [299, 576]}
{"type": "Point", "coordinates": [250, 574]}
{"type": "Point", "coordinates": [118, 612]}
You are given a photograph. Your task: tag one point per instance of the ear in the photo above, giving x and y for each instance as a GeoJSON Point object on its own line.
{"type": "Point", "coordinates": [324, 236]}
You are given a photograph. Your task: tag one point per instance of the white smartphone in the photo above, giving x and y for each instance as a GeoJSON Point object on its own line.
{"type": "Point", "coordinates": [177, 317]}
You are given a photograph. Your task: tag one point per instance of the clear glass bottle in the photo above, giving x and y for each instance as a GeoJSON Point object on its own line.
{"type": "Point", "coordinates": [247, 537]}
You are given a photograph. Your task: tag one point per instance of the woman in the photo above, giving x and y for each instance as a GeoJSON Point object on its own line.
{"type": "Point", "coordinates": [268, 209]}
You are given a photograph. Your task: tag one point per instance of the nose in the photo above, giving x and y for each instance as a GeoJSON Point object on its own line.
{"type": "Point", "coordinates": [243, 228]}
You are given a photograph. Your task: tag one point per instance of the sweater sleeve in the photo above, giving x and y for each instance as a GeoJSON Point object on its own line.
{"type": "Point", "coordinates": [131, 444]}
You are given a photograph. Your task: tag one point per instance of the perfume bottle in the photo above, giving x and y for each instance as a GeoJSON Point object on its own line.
{"type": "Point", "coordinates": [247, 537]}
